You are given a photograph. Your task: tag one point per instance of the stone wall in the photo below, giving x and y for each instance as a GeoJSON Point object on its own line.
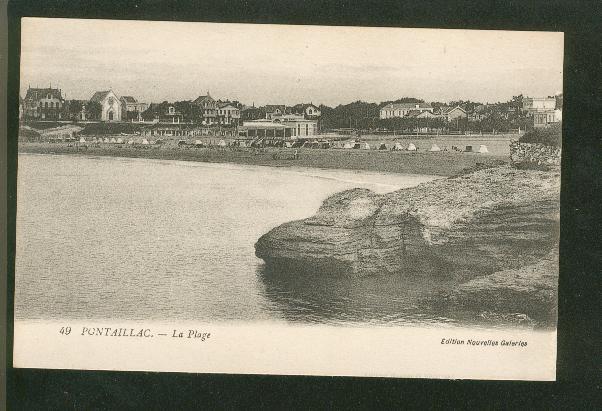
{"type": "Point", "coordinates": [534, 155]}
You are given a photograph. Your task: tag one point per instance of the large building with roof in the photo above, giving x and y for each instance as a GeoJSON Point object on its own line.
{"type": "Point", "coordinates": [287, 126]}
{"type": "Point", "coordinates": [132, 109]}
{"type": "Point", "coordinates": [43, 104]}
{"type": "Point", "coordinates": [110, 105]}
{"type": "Point", "coordinates": [309, 111]}
{"type": "Point", "coordinates": [209, 109]}
{"type": "Point", "coordinates": [544, 110]}
{"type": "Point", "coordinates": [397, 110]}
{"type": "Point", "coordinates": [228, 114]}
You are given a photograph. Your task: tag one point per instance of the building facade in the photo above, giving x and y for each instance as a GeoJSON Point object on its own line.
{"type": "Point", "coordinates": [209, 107]}
{"type": "Point", "coordinates": [110, 105]}
{"type": "Point", "coordinates": [397, 110]}
{"type": "Point", "coordinates": [453, 113]}
{"type": "Point", "coordinates": [252, 113]}
{"type": "Point", "coordinates": [543, 110]}
{"type": "Point", "coordinates": [132, 109]}
{"type": "Point", "coordinates": [228, 114]}
{"type": "Point", "coordinates": [274, 110]}
{"type": "Point", "coordinates": [171, 115]}
{"type": "Point", "coordinates": [287, 126]}
{"type": "Point", "coordinates": [43, 104]}
{"type": "Point", "coordinates": [309, 111]}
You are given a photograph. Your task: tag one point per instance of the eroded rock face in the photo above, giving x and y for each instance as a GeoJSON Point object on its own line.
{"type": "Point", "coordinates": [471, 225]}
{"type": "Point", "coordinates": [531, 289]}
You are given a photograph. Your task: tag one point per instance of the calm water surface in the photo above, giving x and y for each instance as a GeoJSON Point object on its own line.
{"type": "Point", "coordinates": [139, 239]}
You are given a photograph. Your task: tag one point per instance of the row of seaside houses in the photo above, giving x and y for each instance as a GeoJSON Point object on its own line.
{"type": "Point", "coordinates": [50, 104]}
{"type": "Point", "coordinates": [543, 110]}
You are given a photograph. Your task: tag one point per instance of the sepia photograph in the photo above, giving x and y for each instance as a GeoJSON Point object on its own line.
{"type": "Point", "coordinates": [292, 198]}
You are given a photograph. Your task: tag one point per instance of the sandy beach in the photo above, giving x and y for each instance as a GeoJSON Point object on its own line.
{"type": "Point", "coordinates": [421, 162]}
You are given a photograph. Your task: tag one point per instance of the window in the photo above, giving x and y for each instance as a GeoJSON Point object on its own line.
{"type": "Point", "coordinates": [46, 105]}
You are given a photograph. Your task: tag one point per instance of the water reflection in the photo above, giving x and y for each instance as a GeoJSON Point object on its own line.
{"type": "Point", "coordinates": [329, 298]}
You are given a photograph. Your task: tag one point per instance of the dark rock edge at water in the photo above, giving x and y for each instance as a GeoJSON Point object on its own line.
{"type": "Point", "coordinates": [495, 230]}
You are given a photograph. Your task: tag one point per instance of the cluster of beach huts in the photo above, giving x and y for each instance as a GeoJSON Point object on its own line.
{"type": "Point", "coordinates": [395, 146]}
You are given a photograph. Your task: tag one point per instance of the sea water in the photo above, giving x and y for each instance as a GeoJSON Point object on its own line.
{"type": "Point", "coordinates": [140, 239]}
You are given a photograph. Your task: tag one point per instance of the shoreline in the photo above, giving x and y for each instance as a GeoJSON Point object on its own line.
{"type": "Point", "coordinates": [421, 163]}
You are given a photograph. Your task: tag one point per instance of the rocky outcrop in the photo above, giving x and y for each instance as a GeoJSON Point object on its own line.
{"type": "Point", "coordinates": [529, 293]}
{"type": "Point", "coordinates": [534, 155]}
{"type": "Point", "coordinates": [465, 226]}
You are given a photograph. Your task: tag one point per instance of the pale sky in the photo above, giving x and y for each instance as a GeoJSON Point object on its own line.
{"type": "Point", "coordinates": [280, 64]}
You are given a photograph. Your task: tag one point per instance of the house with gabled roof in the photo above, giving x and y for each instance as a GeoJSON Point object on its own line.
{"type": "Point", "coordinates": [110, 104]}
{"type": "Point", "coordinates": [208, 107]}
{"type": "Point", "coordinates": [272, 110]}
{"type": "Point", "coordinates": [421, 114]}
{"type": "Point", "coordinates": [132, 109]}
{"type": "Point", "coordinates": [452, 113]}
{"type": "Point", "coordinates": [307, 110]}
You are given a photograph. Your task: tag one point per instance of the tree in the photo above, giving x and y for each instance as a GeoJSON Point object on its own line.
{"type": "Point", "coordinates": [93, 109]}
{"type": "Point", "coordinates": [75, 106]}
{"type": "Point", "coordinates": [358, 114]}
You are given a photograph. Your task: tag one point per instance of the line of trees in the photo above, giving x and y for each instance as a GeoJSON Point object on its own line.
{"type": "Point", "coordinates": [366, 116]}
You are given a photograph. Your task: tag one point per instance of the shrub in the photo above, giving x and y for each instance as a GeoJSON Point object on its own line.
{"type": "Point", "coordinates": [549, 136]}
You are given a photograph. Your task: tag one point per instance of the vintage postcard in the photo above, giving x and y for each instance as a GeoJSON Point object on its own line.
{"type": "Point", "coordinates": [294, 200]}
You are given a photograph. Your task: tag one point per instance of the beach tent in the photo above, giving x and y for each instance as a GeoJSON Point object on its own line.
{"type": "Point", "coordinates": [144, 141]}
{"type": "Point", "coordinates": [119, 140]}
{"type": "Point", "coordinates": [288, 144]}
{"type": "Point", "coordinates": [435, 147]}
{"type": "Point", "coordinates": [113, 140]}
{"type": "Point", "coordinates": [366, 146]}
{"type": "Point", "coordinates": [411, 147]}
{"type": "Point", "coordinates": [82, 140]}
{"type": "Point", "coordinates": [198, 143]}
{"type": "Point", "coordinates": [130, 141]}
{"type": "Point", "coordinates": [349, 144]}
{"type": "Point", "coordinates": [483, 149]}
{"type": "Point", "coordinates": [222, 143]}
{"type": "Point", "coordinates": [106, 140]}
{"type": "Point", "coordinates": [398, 146]}
{"type": "Point", "coordinates": [382, 146]}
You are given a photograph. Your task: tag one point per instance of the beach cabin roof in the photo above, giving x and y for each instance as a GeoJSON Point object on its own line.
{"type": "Point", "coordinates": [411, 147]}
{"type": "Point", "coordinates": [435, 147]}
